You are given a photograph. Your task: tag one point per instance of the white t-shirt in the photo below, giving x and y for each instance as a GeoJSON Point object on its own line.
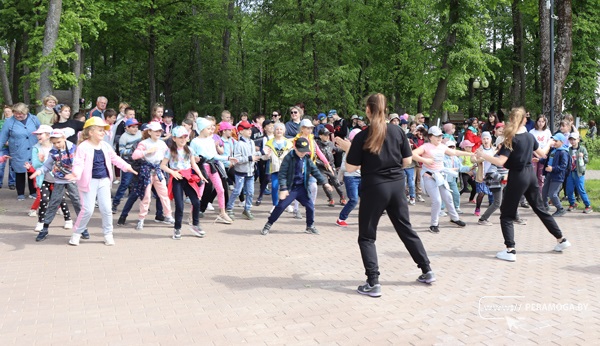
{"type": "Point", "coordinates": [542, 137]}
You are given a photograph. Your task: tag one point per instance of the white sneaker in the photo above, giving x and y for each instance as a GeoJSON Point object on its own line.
{"type": "Point", "coordinates": [109, 240]}
{"type": "Point", "coordinates": [458, 211]}
{"type": "Point", "coordinates": [443, 213]}
{"type": "Point", "coordinates": [140, 225]}
{"type": "Point", "coordinates": [420, 199]}
{"type": "Point", "coordinates": [484, 223]}
{"type": "Point", "coordinates": [197, 231]}
{"type": "Point", "coordinates": [411, 201]}
{"type": "Point", "coordinates": [169, 220]}
{"type": "Point", "coordinates": [39, 226]}
{"type": "Point", "coordinates": [32, 212]}
{"type": "Point", "coordinates": [241, 204]}
{"type": "Point", "coordinates": [270, 211]}
{"type": "Point", "coordinates": [187, 200]}
{"type": "Point", "coordinates": [562, 245]}
{"type": "Point", "coordinates": [116, 182]}
{"type": "Point", "coordinates": [210, 207]}
{"type": "Point", "coordinates": [68, 224]}
{"type": "Point", "coordinates": [59, 212]}
{"type": "Point", "coordinates": [75, 239]}
{"type": "Point", "coordinates": [507, 256]}
{"type": "Point", "coordinates": [289, 209]}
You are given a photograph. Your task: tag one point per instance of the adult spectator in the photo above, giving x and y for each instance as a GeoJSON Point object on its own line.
{"type": "Point", "coordinates": [6, 114]}
{"type": "Point", "coordinates": [17, 131]}
{"type": "Point", "coordinates": [62, 120]}
{"type": "Point", "coordinates": [420, 119]}
{"type": "Point", "coordinates": [47, 114]}
{"type": "Point", "coordinates": [98, 111]}
{"type": "Point", "coordinates": [592, 131]}
{"type": "Point", "coordinates": [490, 124]}
{"type": "Point", "coordinates": [292, 127]}
{"type": "Point", "coordinates": [529, 125]}
{"type": "Point", "coordinates": [276, 117]}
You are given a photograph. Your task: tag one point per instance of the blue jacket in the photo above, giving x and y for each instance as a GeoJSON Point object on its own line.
{"type": "Point", "coordinates": [286, 172]}
{"type": "Point", "coordinates": [558, 159]}
{"type": "Point", "coordinates": [20, 140]}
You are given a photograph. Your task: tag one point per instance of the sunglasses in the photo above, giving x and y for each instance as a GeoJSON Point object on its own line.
{"type": "Point", "coordinates": [295, 112]}
{"type": "Point", "coordinates": [452, 146]}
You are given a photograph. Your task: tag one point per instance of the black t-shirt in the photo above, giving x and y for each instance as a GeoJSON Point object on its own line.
{"type": "Point", "coordinates": [75, 125]}
{"type": "Point", "coordinates": [385, 167]}
{"type": "Point", "coordinates": [524, 144]}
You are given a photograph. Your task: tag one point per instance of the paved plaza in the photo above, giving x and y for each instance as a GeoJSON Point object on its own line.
{"type": "Point", "coordinates": [236, 286]}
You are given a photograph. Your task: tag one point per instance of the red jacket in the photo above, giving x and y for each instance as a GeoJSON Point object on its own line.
{"type": "Point", "coordinates": [475, 139]}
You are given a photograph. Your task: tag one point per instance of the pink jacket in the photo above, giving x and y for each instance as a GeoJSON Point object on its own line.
{"type": "Point", "coordinates": [84, 159]}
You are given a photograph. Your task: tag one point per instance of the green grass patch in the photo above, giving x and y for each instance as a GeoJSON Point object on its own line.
{"type": "Point", "coordinates": [592, 187]}
{"type": "Point", "coordinates": [594, 164]}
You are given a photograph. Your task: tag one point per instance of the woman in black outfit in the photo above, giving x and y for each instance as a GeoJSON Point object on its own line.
{"type": "Point", "coordinates": [381, 153]}
{"type": "Point", "coordinates": [515, 155]}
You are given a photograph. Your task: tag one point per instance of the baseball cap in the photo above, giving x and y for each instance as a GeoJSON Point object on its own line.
{"type": "Point", "coordinates": [202, 123]}
{"type": "Point", "coordinates": [131, 122]}
{"type": "Point", "coordinates": [451, 143]}
{"type": "Point", "coordinates": [266, 122]}
{"type": "Point", "coordinates": [244, 125]}
{"type": "Point", "coordinates": [324, 131]}
{"type": "Point", "coordinates": [322, 116]}
{"type": "Point", "coordinates": [224, 126]}
{"type": "Point", "coordinates": [96, 121]}
{"type": "Point", "coordinates": [435, 131]}
{"type": "Point", "coordinates": [179, 131]}
{"type": "Point", "coordinates": [57, 133]}
{"type": "Point", "coordinates": [154, 126]}
{"type": "Point", "coordinates": [168, 113]}
{"type": "Point", "coordinates": [466, 143]}
{"type": "Point", "coordinates": [499, 125]}
{"type": "Point", "coordinates": [306, 123]}
{"type": "Point", "coordinates": [302, 145]}
{"type": "Point", "coordinates": [331, 113]}
{"type": "Point", "coordinates": [559, 137]}
{"type": "Point", "coordinates": [43, 129]}
{"type": "Point", "coordinates": [356, 117]}
{"type": "Point", "coordinates": [392, 116]}
{"type": "Point", "coordinates": [574, 135]}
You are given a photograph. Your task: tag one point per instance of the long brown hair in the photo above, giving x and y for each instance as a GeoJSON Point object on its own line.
{"type": "Point", "coordinates": [515, 119]}
{"type": "Point", "coordinates": [175, 154]}
{"type": "Point", "coordinates": [377, 107]}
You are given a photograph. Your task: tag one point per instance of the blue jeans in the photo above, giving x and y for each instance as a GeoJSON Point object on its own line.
{"type": "Point", "coordinates": [126, 178]}
{"type": "Point", "coordinates": [352, 189]}
{"type": "Point", "coordinates": [275, 188]}
{"type": "Point", "coordinates": [247, 184]}
{"type": "Point", "coordinates": [181, 187]}
{"type": "Point", "coordinates": [455, 194]}
{"type": "Point", "coordinates": [299, 193]}
{"type": "Point", "coordinates": [551, 189]}
{"type": "Point", "coordinates": [410, 178]}
{"type": "Point", "coordinates": [574, 181]}
{"type": "Point", "coordinates": [133, 197]}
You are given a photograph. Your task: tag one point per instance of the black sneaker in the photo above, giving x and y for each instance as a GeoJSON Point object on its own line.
{"type": "Point", "coordinates": [559, 213]}
{"type": "Point", "coordinates": [85, 234]}
{"type": "Point", "coordinates": [524, 205]}
{"type": "Point", "coordinates": [368, 290]}
{"type": "Point", "coordinates": [258, 202]}
{"type": "Point", "coordinates": [11, 187]}
{"type": "Point", "coordinates": [177, 234]}
{"type": "Point", "coordinates": [434, 229]}
{"type": "Point", "coordinates": [159, 218]}
{"type": "Point", "coordinates": [266, 229]}
{"type": "Point", "coordinates": [42, 235]}
{"type": "Point", "coordinates": [426, 278]}
{"type": "Point", "coordinates": [459, 223]}
{"type": "Point", "coordinates": [200, 215]}
{"type": "Point", "coordinates": [114, 209]}
{"type": "Point", "coordinates": [311, 230]}
{"type": "Point", "coordinates": [121, 221]}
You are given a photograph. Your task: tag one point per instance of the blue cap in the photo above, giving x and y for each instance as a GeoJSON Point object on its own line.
{"type": "Point", "coordinates": [131, 122]}
{"type": "Point", "coordinates": [560, 137]}
{"type": "Point", "coordinates": [331, 113]}
{"type": "Point", "coordinates": [321, 116]}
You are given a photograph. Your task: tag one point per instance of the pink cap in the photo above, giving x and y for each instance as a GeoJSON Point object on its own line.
{"type": "Point", "coordinates": [223, 126]}
{"type": "Point", "coordinates": [353, 133]}
{"type": "Point", "coordinates": [43, 129]}
{"type": "Point", "coordinates": [466, 143]}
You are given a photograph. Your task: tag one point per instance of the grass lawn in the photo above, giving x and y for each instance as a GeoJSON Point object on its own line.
{"type": "Point", "coordinates": [592, 187]}
{"type": "Point", "coordinates": [594, 164]}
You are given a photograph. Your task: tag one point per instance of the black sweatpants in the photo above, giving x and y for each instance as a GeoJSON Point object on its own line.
{"type": "Point", "coordinates": [523, 183]}
{"type": "Point", "coordinates": [374, 200]}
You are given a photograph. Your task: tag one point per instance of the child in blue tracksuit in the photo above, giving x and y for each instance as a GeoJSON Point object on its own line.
{"type": "Point", "coordinates": [294, 173]}
{"type": "Point", "coordinates": [576, 179]}
{"type": "Point", "coordinates": [557, 166]}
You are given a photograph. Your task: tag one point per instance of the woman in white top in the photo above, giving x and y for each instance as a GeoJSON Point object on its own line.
{"type": "Point", "coordinates": [542, 135]}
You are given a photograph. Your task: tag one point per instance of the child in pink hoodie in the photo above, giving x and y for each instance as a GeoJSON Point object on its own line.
{"type": "Point", "coordinates": [92, 168]}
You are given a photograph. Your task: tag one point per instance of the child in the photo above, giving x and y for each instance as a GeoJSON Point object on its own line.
{"type": "Point", "coordinates": [295, 171]}
{"type": "Point", "coordinates": [556, 168]}
{"type": "Point", "coordinates": [127, 143]}
{"type": "Point", "coordinates": [352, 181]}
{"type": "Point", "coordinates": [110, 117]}
{"type": "Point", "coordinates": [328, 149]}
{"type": "Point", "coordinates": [448, 135]}
{"type": "Point", "coordinates": [467, 178]}
{"type": "Point", "coordinates": [92, 168]}
{"type": "Point", "coordinates": [499, 134]}
{"type": "Point", "coordinates": [455, 164]}
{"type": "Point", "coordinates": [576, 179]}
{"type": "Point", "coordinates": [152, 150]}
{"type": "Point", "coordinates": [59, 164]}
{"type": "Point", "coordinates": [63, 121]}
{"type": "Point", "coordinates": [246, 154]}
{"type": "Point", "coordinates": [181, 164]}
{"type": "Point", "coordinates": [481, 187]}
{"type": "Point", "coordinates": [265, 177]}
{"type": "Point", "coordinates": [276, 149]}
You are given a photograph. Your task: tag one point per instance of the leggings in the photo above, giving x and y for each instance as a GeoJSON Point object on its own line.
{"type": "Point", "coordinates": [45, 195]}
{"type": "Point", "coordinates": [333, 181]}
{"type": "Point", "coordinates": [521, 183]}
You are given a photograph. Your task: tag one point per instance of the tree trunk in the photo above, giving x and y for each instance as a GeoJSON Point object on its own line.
{"type": "Point", "coordinates": [26, 83]}
{"type": "Point", "coordinates": [77, 70]}
{"type": "Point", "coordinates": [50, 37]}
{"type": "Point", "coordinates": [518, 63]}
{"type": "Point", "coordinates": [5, 84]}
{"type": "Point", "coordinates": [152, 60]}
{"type": "Point", "coordinates": [315, 67]}
{"type": "Point", "coordinates": [198, 58]}
{"type": "Point", "coordinates": [225, 53]}
{"type": "Point", "coordinates": [564, 53]}
{"type": "Point", "coordinates": [442, 88]}
{"type": "Point", "coordinates": [15, 57]}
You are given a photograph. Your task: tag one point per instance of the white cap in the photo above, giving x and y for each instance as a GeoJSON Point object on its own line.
{"type": "Point", "coordinates": [306, 123]}
{"type": "Point", "coordinates": [574, 135]}
{"type": "Point", "coordinates": [435, 131]}
{"type": "Point", "coordinates": [154, 126]}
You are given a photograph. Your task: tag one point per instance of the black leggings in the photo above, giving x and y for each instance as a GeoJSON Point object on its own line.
{"type": "Point", "coordinates": [374, 200]}
{"type": "Point", "coordinates": [209, 194]}
{"type": "Point", "coordinates": [523, 183]}
{"type": "Point", "coordinates": [20, 184]}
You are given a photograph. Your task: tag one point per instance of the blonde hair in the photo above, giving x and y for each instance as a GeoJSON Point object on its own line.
{"type": "Point", "coordinates": [123, 105]}
{"type": "Point", "coordinates": [48, 98]}
{"type": "Point", "coordinates": [85, 134]}
{"type": "Point", "coordinates": [515, 120]}
{"type": "Point", "coordinates": [377, 107]}
{"type": "Point", "coordinates": [20, 108]}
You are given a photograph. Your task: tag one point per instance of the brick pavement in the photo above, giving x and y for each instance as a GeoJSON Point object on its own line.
{"type": "Point", "coordinates": [236, 286]}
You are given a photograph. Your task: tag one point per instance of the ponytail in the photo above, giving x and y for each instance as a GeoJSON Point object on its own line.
{"type": "Point", "coordinates": [377, 107]}
{"type": "Point", "coordinates": [515, 119]}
